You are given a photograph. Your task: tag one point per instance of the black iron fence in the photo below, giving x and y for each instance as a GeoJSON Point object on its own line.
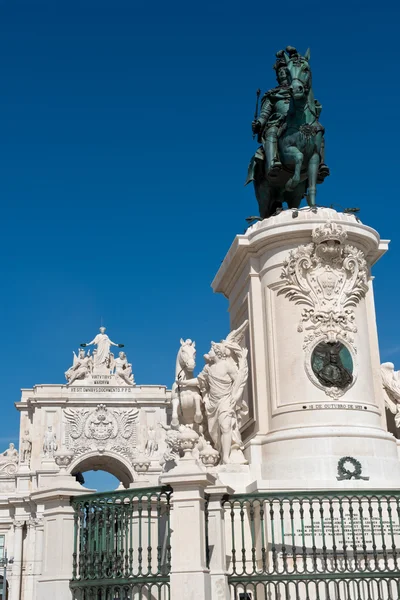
{"type": "Point", "coordinates": [122, 545]}
{"type": "Point", "coordinates": [314, 546]}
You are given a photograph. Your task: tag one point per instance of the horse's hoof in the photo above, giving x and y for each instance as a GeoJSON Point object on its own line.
{"type": "Point", "coordinates": [198, 417]}
{"type": "Point", "coordinates": [174, 422]}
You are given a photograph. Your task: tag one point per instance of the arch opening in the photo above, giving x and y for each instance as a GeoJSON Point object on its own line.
{"type": "Point", "coordinates": [102, 462]}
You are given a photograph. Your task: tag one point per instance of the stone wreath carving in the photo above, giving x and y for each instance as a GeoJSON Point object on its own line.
{"type": "Point", "coordinates": [102, 429]}
{"type": "Point", "coordinates": [330, 277]}
{"type": "Point", "coordinates": [349, 468]}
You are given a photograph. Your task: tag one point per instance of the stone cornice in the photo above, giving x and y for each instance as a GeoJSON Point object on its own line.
{"type": "Point", "coordinates": [268, 234]}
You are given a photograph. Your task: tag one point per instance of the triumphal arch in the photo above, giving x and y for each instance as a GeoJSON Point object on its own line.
{"type": "Point", "coordinates": [99, 419]}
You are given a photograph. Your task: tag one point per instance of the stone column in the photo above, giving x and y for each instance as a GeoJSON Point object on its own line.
{"type": "Point", "coordinates": [39, 546]}
{"type": "Point", "coordinates": [37, 566]}
{"type": "Point", "coordinates": [29, 560]}
{"type": "Point", "coordinates": [58, 533]}
{"type": "Point", "coordinates": [190, 577]}
{"type": "Point", "coordinates": [15, 591]}
{"type": "Point", "coordinates": [217, 542]}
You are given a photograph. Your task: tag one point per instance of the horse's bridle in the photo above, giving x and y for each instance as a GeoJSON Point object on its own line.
{"type": "Point", "coordinates": [306, 88]}
{"type": "Point", "coordinates": [307, 91]}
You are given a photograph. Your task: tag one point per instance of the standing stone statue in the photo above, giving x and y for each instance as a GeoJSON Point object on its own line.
{"type": "Point", "coordinates": [26, 448]}
{"type": "Point", "coordinates": [151, 445]}
{"type": "Point", "coordinates": [290, 161]}
{"type": "Point", "coordinates": [49, 443]}
{"type": "Point", "coordinates": [101, 356]}
{"type": "Point", "coordinates": [222, 383]}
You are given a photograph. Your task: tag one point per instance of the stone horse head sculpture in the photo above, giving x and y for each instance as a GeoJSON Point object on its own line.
{"type": "Point", "coordinates": [186, 402]}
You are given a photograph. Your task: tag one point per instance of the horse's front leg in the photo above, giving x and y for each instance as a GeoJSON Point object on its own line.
{"type": "Point", "coordinates": [175, 405]}
{"type": "Point", "coordinates": [293, 155]}
{"type": "Point", "coordinates": [198, 415]}
{"type": "Point", "coordinates": [313, 167]}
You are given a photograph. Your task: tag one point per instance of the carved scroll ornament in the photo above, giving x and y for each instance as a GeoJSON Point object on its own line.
{"type": "Point", "coordinates": [330, 278]}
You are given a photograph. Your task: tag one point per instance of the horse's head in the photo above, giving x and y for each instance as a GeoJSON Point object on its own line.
{"type": "Point", "coordinates": [299, 73]}
{"type": "Point", "coordinates": [187, 355]}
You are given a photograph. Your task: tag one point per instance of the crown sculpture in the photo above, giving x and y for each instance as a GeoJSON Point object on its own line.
{"type": "Point", "coordinates": [329, 231]}
{"type": "Point", "coordinates": [290, 160]}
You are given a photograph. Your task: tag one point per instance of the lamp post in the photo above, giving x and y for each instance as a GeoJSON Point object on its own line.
{"type": "Point", "coordinates": [4, 562]}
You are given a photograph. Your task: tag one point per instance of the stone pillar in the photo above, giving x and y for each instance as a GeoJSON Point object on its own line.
{"type": "Point", "coordinates": [37, 566]}
{"type": "Point", "coordinates": [29, 561]}
{"type": "Point", "coordinates": [303, 280]}
{"type": "Point", "coordinates": [190, 577]}
{"type": "Point", "coordinates": [58, 534]}
{"type": "Point", "coordinates": [217, 542]}
{"type": "Point", "coordinates": [17, 564]}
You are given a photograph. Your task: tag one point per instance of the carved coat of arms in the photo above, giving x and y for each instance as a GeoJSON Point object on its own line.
{"type": "Point", "coordinates": [329, 278]}
{"type": "Point", "coordinates": [102, 428]}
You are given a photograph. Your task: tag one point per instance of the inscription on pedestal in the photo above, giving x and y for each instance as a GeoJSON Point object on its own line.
{"type": "Point", "coordinates": [95, 390]}
{"type": "Point", "coordinates": [347, 532]}
{"type": "Point", "coordinates": [334, 406]}
{"type": "Point", "coordinates": [101, 379]}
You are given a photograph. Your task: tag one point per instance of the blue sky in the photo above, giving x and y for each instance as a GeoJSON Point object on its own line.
{"type": "Point", "coordinates": [124, 141]}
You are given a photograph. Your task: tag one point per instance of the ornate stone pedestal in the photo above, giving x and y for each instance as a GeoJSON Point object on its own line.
{"type": "Point", "coordinates": [303, 281]}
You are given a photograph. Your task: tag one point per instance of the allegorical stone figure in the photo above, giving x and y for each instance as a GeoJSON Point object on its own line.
{"type": "Point", "coordinates": [123, 369]}
{"type": "Point", "coordinates": [49, 442]}
{"type": "Point", "coordinates": [391, 390]}
{"type": "Point", "coordinates": [103, 343]}
{"type": "Point", "coordinates": [222, 383]}
{"type": "Point", "coordinates": [173, 450]}
{"type": "Point", "coordinates": [26, 448]}
{"type": "Point", "coordinates": [9, 455]}
{"type": "Point", "coordinates": [151, 445]}
{"type": "Point", "coordinates": [82, 366]}
{"type": "Point", "coordinates": [290, 160]}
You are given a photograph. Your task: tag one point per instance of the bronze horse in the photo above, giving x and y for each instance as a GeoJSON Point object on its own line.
{"type": "Point", "coordinates": [300, 145]}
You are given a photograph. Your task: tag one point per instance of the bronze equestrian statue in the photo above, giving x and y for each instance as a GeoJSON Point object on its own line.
{"type": "Point", "coordinates": [290, 161]}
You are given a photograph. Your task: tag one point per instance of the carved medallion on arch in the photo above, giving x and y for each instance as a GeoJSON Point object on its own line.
{"type": "Point", "coordinates": [102, 429]}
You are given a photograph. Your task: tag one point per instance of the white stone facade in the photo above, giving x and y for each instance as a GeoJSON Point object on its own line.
{"type": "Point", "coordinates": [67, 430]}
